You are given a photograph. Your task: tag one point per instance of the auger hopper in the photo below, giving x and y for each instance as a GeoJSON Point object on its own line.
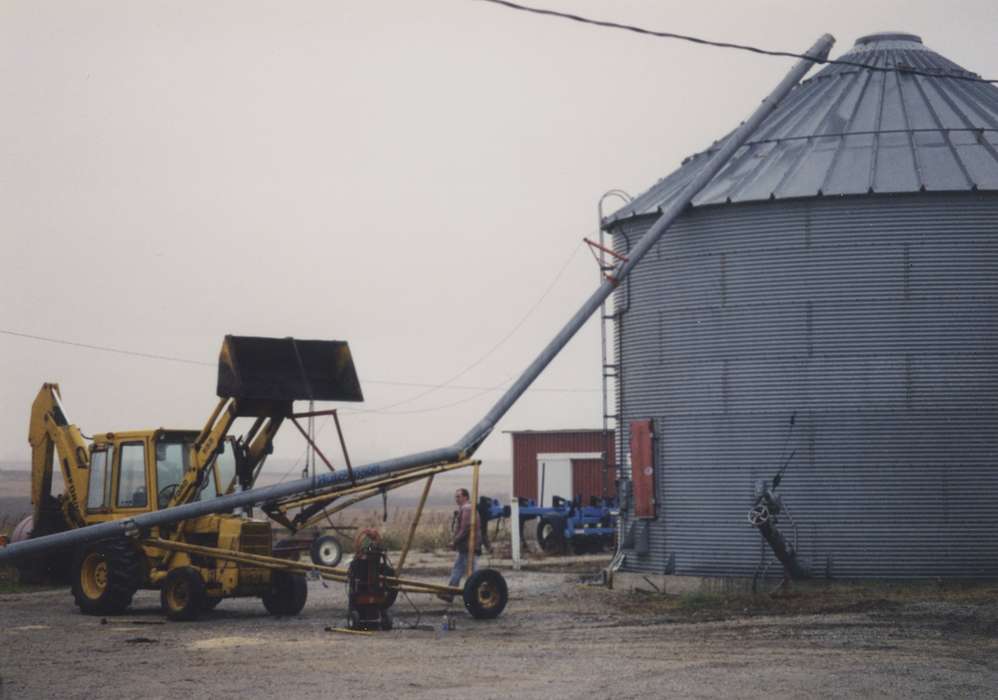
{"type": "Point", "coordinates": [286, 369]}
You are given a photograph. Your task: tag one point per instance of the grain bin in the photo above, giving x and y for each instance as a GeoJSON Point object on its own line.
{"type": "Point", "coordinates": [841, 270]}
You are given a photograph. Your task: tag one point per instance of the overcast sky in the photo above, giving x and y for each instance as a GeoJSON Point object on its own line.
{"type": "Point", "coordinates": [408, 176]}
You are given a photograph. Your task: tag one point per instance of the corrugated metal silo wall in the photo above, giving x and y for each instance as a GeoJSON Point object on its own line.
{"type": "Point", "coordinates": [587, 475]}
{"type": "Point", "coordinates": [875, 321]}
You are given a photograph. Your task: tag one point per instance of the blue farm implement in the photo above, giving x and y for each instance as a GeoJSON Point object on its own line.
{"type": "Point", "coordinates": [569, 525]}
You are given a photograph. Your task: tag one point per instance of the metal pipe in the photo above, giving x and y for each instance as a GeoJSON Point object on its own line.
{"type": "Point", "coordinates": [819, 52]}
{"type": "Point", "coordinates": [473, 537]}
{"type": "Point", "coordinates": [471, 440]}
{"type": "Point", "coordinates": [414, 525]}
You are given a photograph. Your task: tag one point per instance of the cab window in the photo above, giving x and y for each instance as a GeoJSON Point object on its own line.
{"type": "Point", "coordinates": [132, 476]}
{"type": "Point", "coordinates": [172, 460]}
{"type": "Point", "coordinates": [96, 492]}
{"type": "Point", "coordinates": [225, 463]}
{"type": "Point", "coordinates": [208, 490]}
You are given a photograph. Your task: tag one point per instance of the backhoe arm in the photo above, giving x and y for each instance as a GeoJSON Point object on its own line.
{"type": "Point", "coordinates": [204, 451]}
{"type": "Point", "coordinates": [49, 434]}
{"type": "Point", "coordinates": [250, 451]}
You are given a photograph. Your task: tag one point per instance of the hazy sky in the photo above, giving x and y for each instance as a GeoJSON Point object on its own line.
{"type": "Point", "coordinates": [407, 176]}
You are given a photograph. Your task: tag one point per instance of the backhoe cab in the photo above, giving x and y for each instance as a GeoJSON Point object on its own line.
{"type": "Point", "coordinates": [119, 475]}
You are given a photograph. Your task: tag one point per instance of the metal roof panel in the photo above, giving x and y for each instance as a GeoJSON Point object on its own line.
{"type": "Point", "coordinates": [852, 131]}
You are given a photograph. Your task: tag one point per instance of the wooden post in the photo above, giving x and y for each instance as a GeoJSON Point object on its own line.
{"type": "Point", "coordinates": [514, 524]}
{"type": "Point", "coordinates": [415, 523]}
{"type": "Point", "coordinates": [473, 535]}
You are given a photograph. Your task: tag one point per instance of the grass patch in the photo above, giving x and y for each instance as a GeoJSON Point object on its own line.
{"type": "Point", "coordinates": [813, 598]}
{"type": "Point", "coordinates": [700, 601]}
{"type": "Point", "coordinates": [432, 534]}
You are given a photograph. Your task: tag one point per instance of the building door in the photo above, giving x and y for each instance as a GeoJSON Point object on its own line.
{"type": "Point", "coordinates": [555, 475]}
{"type": "Point", "coordinates": [554, 478]}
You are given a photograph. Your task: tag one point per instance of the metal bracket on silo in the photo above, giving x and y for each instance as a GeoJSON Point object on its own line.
{"type": "Point", "coordinates": [627, 536]}
{"type": "Point", "coordinates": [624, 495]}
{"type": "Point", "coordinates": [636, 537]}
{"type": "Point", "coordinates": [670, 565]}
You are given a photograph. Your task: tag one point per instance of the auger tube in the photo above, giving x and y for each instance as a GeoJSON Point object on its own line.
{"type": "Point", "coordinates": [466, 446]}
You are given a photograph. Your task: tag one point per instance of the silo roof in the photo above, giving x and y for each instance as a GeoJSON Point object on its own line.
{"type": "Point", "coordinates": [851, 131]}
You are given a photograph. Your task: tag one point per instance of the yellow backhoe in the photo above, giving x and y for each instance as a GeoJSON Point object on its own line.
{"type": "Point", "coordinates": [121, 475]}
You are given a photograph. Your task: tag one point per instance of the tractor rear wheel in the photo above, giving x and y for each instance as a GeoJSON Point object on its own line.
{"type": "Point", "coordinates": [485, 594]}
{"type": "Point", "coordinates": [288, 593]}
{"type": "Point", "coordinates": [107, 576]}
{"type": "Point", "coordinates": [182, 595]}
{"type": "Point", "coordinates": [326, 551]}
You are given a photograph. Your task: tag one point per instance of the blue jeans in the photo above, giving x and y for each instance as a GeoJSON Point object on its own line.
{"type": "Point", "coordinates": [460, 565]}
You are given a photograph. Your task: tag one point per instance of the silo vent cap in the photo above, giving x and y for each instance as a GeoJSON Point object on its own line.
{"type": "Point", "coordinates": [888, 36]}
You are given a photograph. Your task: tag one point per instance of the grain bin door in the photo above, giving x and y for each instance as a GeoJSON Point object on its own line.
{"type": "Point", "coordinates": [643, 468]}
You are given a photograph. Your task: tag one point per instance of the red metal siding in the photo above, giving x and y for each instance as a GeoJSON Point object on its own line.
{"type": "Point", "coordinates": [587, 477]}
{"type": "Point", "coordinates": [643, 468]}
{"type": "Point", "coordinates": [587, 474]}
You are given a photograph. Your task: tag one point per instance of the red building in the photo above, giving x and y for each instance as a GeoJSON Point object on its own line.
{"type": "Point", "coordinates": [565, 463]}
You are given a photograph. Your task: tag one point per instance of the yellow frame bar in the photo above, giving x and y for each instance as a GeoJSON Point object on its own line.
{"type": "Point", "coordinates": [327, 572]}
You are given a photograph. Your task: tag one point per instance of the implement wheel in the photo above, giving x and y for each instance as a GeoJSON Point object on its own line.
{"type": "Point", "coordinates": [182, 595]}
{"type": "Point", "coordinates": [551, 535]}
{"type": "Point", "coordinates": [288, 593]}
{"type": "Point", "coordinates": [485, 594]}
{"type": "Point", "coordinates": [107, 576]}
{"type": "Point", "coordinates": [326, 551]}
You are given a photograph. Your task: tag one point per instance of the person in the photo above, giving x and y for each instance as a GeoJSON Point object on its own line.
{"type": "Point", "coordinates": [461, 527]}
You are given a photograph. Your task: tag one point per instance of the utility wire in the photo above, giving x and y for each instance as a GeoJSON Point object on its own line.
{"type": "Point", "coordinates": [740, 47]}
{"type": "Point", "coordinates": [188, 361]}
{"type": "Point", "coordinates": [105, 348]}
{"type": "Point", "coordinates": [495, 347]}
{"type": "Point", "coordinates": [480, 391]}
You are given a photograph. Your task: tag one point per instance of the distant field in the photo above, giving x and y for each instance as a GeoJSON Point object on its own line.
{"type": "Point", "coordinates": [15, 496]}
{"type": "Point", "coordinates": [15, 489]}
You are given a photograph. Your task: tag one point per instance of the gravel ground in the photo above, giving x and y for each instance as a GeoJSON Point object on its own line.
{"type": "Point", "coordinates": [556, 638]}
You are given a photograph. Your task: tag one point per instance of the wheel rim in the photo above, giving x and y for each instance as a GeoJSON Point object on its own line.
{"type": "Point", "coordinates": [93, 576]}
{"type": "Point", "coordinates": [488, 596]}
{"type": "Point", "coordinates": [178, 595]}
{"type": "Point", "coordinates": [327, 553]}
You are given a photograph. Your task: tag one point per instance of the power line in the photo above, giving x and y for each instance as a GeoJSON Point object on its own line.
{"type": "Point", "coordinates": [201, 363]}
{"type": "Point", "coordinates": [105, 348]}
{"type": "Point", "coordinates": [491, 350]}
{"type": "Point", "coordinates": [728, 45]}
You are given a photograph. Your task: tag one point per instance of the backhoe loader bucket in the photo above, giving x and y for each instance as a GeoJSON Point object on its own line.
{"type": "Point", "coordinates": [286, 369]}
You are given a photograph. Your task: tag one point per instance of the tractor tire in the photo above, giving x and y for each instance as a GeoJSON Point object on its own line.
{"type": "Point", "coordinates": [326, 551]}
{"type": "Point", "coordinates": [551, 535]}
{"type": "Point", "coordinates": [107, 575]}
{"type": "Point", "coordinates": [391, 594]}
{"type": "Point", "coordinates": [288, 593]}
{"type": "Point", "coordinates": [182, 595]}
{"type": "Point", "coordinates": [485, 594]}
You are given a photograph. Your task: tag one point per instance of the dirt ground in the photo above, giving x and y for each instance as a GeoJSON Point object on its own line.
{"type": "Point", "coordinates": [558, 637]}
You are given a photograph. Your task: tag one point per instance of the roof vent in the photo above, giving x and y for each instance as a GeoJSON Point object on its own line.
{"type": "Point", "coordinates": [888, 36]}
